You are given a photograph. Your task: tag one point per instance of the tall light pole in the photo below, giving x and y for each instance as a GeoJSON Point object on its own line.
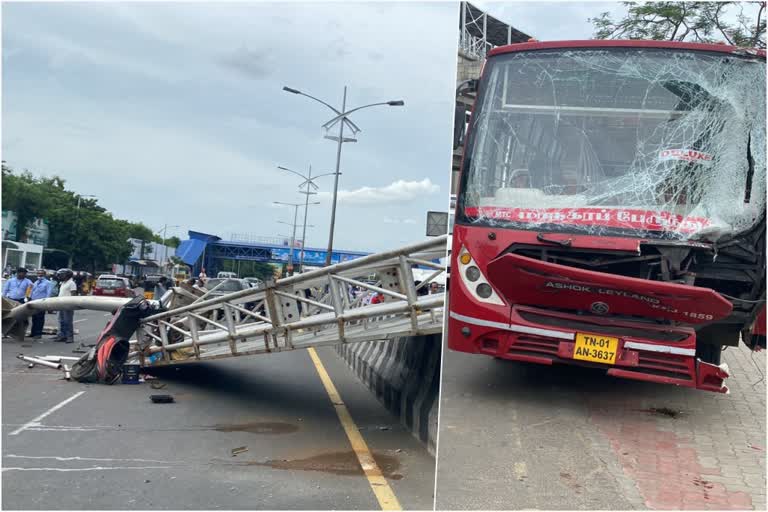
{"type": "Point", "coordinates": [309, 182]}
{"type": "Point", "coordinates": [293, 235]}
{"type": "Point", "coordinates": [165, 248]}
{"type": "Point", "coordinates": [342, 118]}
{"type": "Point", "coordinates": [76, 228]}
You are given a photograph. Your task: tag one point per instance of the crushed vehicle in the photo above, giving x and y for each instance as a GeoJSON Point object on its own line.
{"type": "Point", "coordinates": [611, 209]}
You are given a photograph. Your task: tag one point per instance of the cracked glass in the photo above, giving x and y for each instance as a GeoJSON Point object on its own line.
{"type": "Point", "coordinates": [645, 142]}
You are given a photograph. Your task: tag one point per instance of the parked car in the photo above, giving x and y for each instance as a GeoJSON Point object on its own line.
{"type": "Point", "coordinates": [224, 275]}
{"type": "Point", "coordinates": [113, 286]}
{"type": "Point", "coordinates": [255, 282]}
{"type": "Point", "coordinates": [230, 285]}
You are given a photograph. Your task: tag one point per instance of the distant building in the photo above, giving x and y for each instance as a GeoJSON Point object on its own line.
{"type": "Point", "coordinates": [146, 258]}
{"type": "Point", "coordinates": [18, 254]}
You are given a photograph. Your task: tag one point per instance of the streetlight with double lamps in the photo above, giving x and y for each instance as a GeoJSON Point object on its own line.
{"type": "Point", "coordinates": [293, 235]}
{"type": "Point", "coordinates": [309, 182]}
{"type": "Point", "coordinates": [342, 118]}
{"type": "Point", "coordinates": [165, 247]}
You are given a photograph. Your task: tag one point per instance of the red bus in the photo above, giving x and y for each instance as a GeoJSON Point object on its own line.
{"type": "Point", "coordinates": [611, 209]}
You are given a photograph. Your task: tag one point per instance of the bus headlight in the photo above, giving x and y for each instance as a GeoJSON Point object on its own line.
{"type": "Point", "coordinates": [484, 290]}
{"type": "Point", "coordinates": [474, 281]}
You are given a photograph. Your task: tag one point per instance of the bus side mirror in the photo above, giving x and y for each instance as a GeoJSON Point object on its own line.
{"type": "Point", "coordinates": [459, 125]}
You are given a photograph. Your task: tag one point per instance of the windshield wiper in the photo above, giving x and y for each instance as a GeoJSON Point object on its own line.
{"type": "Point", "coordinates": [562, 243]}
{"type": "Point", "coordinates": [750, 170]}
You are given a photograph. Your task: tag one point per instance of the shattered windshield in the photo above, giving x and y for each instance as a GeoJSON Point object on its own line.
{"type": "Point", "coordinates": [645, 142]}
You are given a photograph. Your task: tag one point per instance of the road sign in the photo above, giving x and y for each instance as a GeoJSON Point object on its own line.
{"type": "Point", "coordinates": [437, 223]}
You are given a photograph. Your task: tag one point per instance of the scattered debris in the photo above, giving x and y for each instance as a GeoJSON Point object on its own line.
{"type": "Point", "coordinates": [258, 427]}
{"type": "Point", "coordinates": [58, 359]}
{"type": "Point", "coordinates": [42, 362]}
{"type": "Point", "coordinates": [239, 450]}
{"type": "Point", "coordinates": [161, 399]}
{"type": "Point", "coordinates": [131, 372]}
{"type": "Point", "coordinates": [662, 411]}
{"type": "Point", "coordinates": [157, 385]}
{"type": "Point", "coordinates": [755, 447]}
{"type": "Point", "coordinates": [31, 365]}
{"type": "Point", "coordinates": [700, 482]}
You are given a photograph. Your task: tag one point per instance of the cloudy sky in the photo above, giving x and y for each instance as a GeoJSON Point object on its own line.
{"type": "Point", "coordinates": [173, 113]}
{"type": "Point", "coordinates": [551, 21]}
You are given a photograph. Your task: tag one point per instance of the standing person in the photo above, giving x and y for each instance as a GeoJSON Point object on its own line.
{"type": "Point", "coordinates": [42, 289]}
{"type": "Point", "coordinates": [378, 298]}
{"type": "Point", "coordinates": [161, 287]}
{"type": "Point", "coordinates": [78, 278]}
{"type": "Point", "coordinates": [67, 288]}
{"type": "Point", "coordinates": [16, 288]}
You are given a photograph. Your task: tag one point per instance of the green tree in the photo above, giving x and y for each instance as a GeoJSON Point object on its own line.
{"type": "Point", "coordinates": [21, 195]}
{"type": "Point", "coordinates": [701, 22]}
{"type": "Point", "coordinates": [89, 235]}
{"type": "Point", "coordinates": [173, 241]}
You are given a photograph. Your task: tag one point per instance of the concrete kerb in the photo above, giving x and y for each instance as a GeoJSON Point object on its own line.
{"type": "Point", "coordinates": [404, 374]}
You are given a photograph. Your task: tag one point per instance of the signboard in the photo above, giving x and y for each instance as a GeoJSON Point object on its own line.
{"type": "Point", "coordinates": [36, 231]}
{"type": "Point", "coordinates": [310, 257]}
{"type": "Point", "coordinates": [437, 223]}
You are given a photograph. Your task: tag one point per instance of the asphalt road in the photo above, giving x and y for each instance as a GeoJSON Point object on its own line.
{"type": "Point", "coordinates": [517, 436]}
{"type": "Point", "coordinates": [111, 448]}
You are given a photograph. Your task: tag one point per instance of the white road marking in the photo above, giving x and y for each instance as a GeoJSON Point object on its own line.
{"type": "Point", "coordinates": [55, 457]}
{"type": "Point", "coordinates": [81, 320]}
{"type": "Point", "coordinates": [32, 373]}
{"type": "Point", "coordinates": [93, 468]}
{"type": "Point", "coordinates": [36, 422]}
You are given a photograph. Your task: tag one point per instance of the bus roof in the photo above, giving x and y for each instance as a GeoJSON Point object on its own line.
{"type": "Point", "coordinates": [621, 43]}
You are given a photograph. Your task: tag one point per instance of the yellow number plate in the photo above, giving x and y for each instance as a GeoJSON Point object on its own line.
{"type": "Point", "coordinates": [596, 348]}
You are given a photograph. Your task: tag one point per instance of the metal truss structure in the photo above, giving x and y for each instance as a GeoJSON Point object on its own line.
{"type": "Point", "coordinates": [480, 32]}
{"type": "Point", "coordinates": [305, 310]}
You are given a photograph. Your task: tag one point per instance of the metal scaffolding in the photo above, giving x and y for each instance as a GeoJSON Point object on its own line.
{"type": "Point", "coordinates": [310, 309]}
{"type": "Point", "coordinates": [480, 32]}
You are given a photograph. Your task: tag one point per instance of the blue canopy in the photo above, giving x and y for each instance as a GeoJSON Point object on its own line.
{"type": "Point", "coordinates": [190, 250]}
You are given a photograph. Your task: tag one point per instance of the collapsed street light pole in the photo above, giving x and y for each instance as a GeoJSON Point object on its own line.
{"type": "Point", "coordinates": [342, 117]}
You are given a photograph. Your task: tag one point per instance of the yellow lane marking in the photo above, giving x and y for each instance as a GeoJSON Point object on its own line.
{"type": "Point", "coordinates": [379, 484]}
{"type": "Point", "coordinates": [521, 471]}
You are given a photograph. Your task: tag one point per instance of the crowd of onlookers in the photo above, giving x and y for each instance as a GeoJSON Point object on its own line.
{"type": "Point", "coordinates": [21, 289]}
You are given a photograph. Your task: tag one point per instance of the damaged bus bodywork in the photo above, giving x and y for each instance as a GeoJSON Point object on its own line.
{"type": "Point", "coordinates": [611, 210]}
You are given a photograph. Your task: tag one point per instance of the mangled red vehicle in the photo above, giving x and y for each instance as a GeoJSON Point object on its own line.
{"type": "Point", "coordinates": [611, 210]}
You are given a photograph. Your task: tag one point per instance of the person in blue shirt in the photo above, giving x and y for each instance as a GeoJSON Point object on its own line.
{"type": "Point", "coordinates": [16, 288]}
{"type": "Point", "coordinates": [40, 290]}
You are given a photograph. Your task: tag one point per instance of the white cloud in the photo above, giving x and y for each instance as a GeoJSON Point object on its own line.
{"type": "Point", "coordinates": [400, 191]}
{"type": "Point", "coordinates": [390, 220]}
